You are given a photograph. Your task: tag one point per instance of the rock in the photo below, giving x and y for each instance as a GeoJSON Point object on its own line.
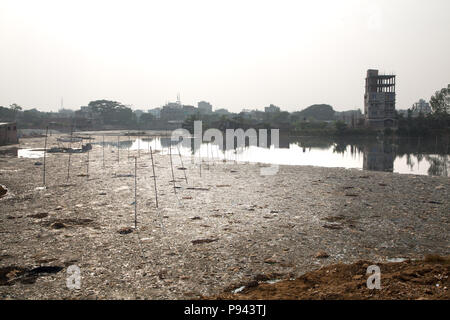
{"type": "Point", "coordinates": [357, 277]}
{"type": "Point", "coordinates": [126, 230]}
{"type": "Point", "coordinates": [38, 215]}
{"type": "Point", "coordinates": [322, 255]}
{"type": "Point", "coordinates": [270, 261]}
{"type": "Point", "coordinates": [58, 208]}
{"type": "Point", "coordinates": [196, 218]}
{"type": "Point", "coordinates": [58, 225]}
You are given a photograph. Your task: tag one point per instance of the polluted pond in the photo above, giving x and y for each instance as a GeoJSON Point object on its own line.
{"type": "Point", "coordinates": [204, 228]}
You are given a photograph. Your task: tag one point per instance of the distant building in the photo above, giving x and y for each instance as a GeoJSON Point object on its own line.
{"type": "Point", "coordinates": [379, 100]}
{"type": "Point", "coordinates": [351, 117]}
{"type": "Point", "coordinates": [421, 107]}
{"type": "Point", "coordinates": [272, 108]}
{"type": "Point", "coordinates": [172, 111]}
{"type": "Point", "coordinates": [138, 113]}
{"type": "Point", "coordinates": [8, 133]}
{"type": "Point", "coordinates": [189, 110]}
{"type": "Point", "coordinates": [222, 112]}
{"type": "Point", "coordinates": [204, 107]}
{"type": "Point", "coordinates": [156, 112]}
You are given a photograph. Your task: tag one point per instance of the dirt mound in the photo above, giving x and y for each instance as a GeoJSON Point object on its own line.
{"type": "Point", "coordinates": [426, 279]}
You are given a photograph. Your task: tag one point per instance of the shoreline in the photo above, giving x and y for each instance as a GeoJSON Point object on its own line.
{"type": "Point", "coordinates": [221, 229]}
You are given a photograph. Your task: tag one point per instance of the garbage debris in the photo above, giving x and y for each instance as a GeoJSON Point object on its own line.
{"type": "Point", "coordinates": [200, 241]}
{"type": "Point", "coordinates": [125, 230]}
{"type": "Point", "coordinates": [322, 255]}
{"type": "Point", "coordinates": [84, 148]}
{"type": "Point", "coordinates": [3, 190]}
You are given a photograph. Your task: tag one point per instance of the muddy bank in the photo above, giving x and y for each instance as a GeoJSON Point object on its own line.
{"type": "Point", "coordinates": [423, 280]}
{"type": "Point", "coordinates": [226, 225]}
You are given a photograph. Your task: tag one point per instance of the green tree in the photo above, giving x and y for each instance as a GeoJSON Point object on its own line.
{"type": "Point", "coordinates": [440, 102]}
{"type": "Point", "coordinates": [340, 126]}
{"type": "Point", "coordinates": [15, 108]}
{"type": "Point", "coordinates": [113, 113]}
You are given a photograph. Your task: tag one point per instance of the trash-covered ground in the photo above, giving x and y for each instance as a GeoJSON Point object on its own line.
{"type": "Point", "coordinates": [220, 230]}
{"type": "Point", "coordinates": [421, 280]}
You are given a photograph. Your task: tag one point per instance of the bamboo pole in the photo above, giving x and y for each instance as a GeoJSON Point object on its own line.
{"type": "Point", "coordinates": [182, 165]}
{"type": "Point", "coordinates": [128, 149]}
{"type": "Point", "coordinates": [103, 151]}
{"type": "Point", "coordinates": [139, 146]}
{"type": "Point", "coordinates": [45, 152]}
{"type": "Point", "coordinates": [171, 167]}
{"type": "Point", "coordinates": [135, 192]}
{"type": "Point", "coordinates": [87, 164]}
{"type": "Point", "coordinates": [118, 142]}
{"type": "Point", "coordinates": [154, 178]}
{"type": "Point", "coordinates": [70, 153]}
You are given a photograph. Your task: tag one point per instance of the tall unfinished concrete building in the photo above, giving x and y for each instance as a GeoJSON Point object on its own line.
{"type": "Point", "coordinates": [379, 100]}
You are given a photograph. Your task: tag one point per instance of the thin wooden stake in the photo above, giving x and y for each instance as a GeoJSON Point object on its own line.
{"type": "Point", "coordinates": [201, 160]}
{"type": "Point", "coordinates": [171, 167]}
{"type": "Point", "coordinates": [182, 165]}
{"type": "Point", "coordinates": [118, 142]}
{"type": "Point", "coordinates": [207, 154]}
{"type": "Point", "coordinates": [103, 151]}
{"type": "Point", "coordinates": [45, 152]}
{"type": "Point", "coordinates": [154, 177]}
{"type": "Point", "coordinates": [135, 192]}
{"type": "Point", "coordinates": [70, 153]}
{"type": "Point", "coordinates": [87, 164]}
{"type": "Point", "coordinates": [139, 146]}
{"type": "Point", "coordinates": [129, 143]}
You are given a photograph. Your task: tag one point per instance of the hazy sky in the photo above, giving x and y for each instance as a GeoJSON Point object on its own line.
{"type": "Point", "coordinates": [235, 54]}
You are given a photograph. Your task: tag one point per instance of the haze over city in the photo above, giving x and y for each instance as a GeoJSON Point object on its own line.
{"type": "Point", "coordinates": [234, 54]}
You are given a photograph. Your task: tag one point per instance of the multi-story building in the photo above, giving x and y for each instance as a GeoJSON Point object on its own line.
{"type": "Point", "coordinates": [189, 110]}
{"type": "Point", "coordinates": [222, 111]}
{"type": "Point", "coordinates": [172, 111]}
{"type": "Point", "coordinates": [156, 112]}
{"type": "Point", "coordinates": [379, 100]}
{"type": "Point", "coordinates": [272, 108]}
{"type": "Point", "coordinates": [421, 107]}
{"type": "Point", "coordinates": [204, 107]}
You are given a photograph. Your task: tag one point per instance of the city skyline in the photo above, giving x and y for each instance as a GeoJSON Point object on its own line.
{"type": "Point", "coordinates": [235, 55]}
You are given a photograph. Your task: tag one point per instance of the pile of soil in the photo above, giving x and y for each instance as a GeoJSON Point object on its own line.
{"type": "Point", "coordinates": [425, 279]}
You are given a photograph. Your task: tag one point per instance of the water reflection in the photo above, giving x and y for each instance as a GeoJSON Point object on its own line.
{"type": "Point", "coordinates": [378, 156]}
{"type": "Point", "coordinates": [414, 156]}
